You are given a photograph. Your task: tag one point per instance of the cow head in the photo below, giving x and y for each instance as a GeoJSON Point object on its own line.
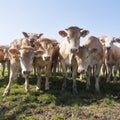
{"type": "Point", "coordinates": [72, 35]}
{"type": "Point", "coordinates": [108, 41]}
{"type": "Point", "coordinates": [25, 56]}
{"type": "Point", "coordinates": [32, 37]}
{"type": "Point", "coordinates": [47, 45]}
{"type": "Point", "coordinates": [85, 58]}
{"type": "Point", "coordinates": [82, 59]}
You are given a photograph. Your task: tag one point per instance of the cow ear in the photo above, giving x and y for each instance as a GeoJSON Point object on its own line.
{"type": "Point", "coordinates": [117, 40]}
{"type": "Point", "coordinates": [39, 36]}
{"type": "Point", "coordinates": [55, 43]}
{"type": "Point", "coordinates": [102, 41]}
{"type": "Point", "coordinates": [25, 34]}
{"type": "Point", "coordinates": [1, 50]}
{"type": "Point", "coordinates": [13, 51]}
{"type": "Point", "coordinates": [84, 33]}
{"type": "Point", "coordinates": [62, 33]}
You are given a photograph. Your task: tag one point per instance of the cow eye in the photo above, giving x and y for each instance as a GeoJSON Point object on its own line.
{"type": "Point", "coordinates": [52, 46]}
{"type": "Point", "coordinates": [20, 57]}
{"type": "Point", "coordinates": [68, 38]}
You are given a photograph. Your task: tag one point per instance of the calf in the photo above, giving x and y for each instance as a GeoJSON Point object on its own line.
{"type": "Point", "coordinates": [21, 59]}
{"type": "Point", "coordinates": [69, 47]}
{"type": "Point", "coordinates": [4, 58]}
{"type": "Point", "coordinates": [90, 55]}
{"type": "Point", "coordinates": [111, 54]}
{"type": "Point", "coordinates": [45, 61]}
{"type": "Point", "coordinates": [32, 37]}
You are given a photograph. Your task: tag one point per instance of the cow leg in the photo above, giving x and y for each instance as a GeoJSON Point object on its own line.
{"type": "Point", "coordinates": [115, 68]}
{"type": "Point", "coordinates": [74, 74]}
{"type": "Point", "coordinates": [48, 72]}
{"type": "Point", "coordinates": [64, 74]}
{"type": "Point", "coordinates": [119, 71]}
{"type": "Point", "coordinates": [104, 70]}
{"type": "Point", "coordinates": [54, 68]}
{"type": "Point", "coordinates": [12, 76]}
{"type": "Point", "coordinates": [8, 67]}
{"type": "Point", "coordinates": [38, 86]}
{"type": "Point", "coordinates": [3, 69]}
{"type": "Point", "coordinates": [109, 72]}
{"type": "Point", "coordinates": [7, 89]}
{"type": "Point", "coordinates": [27, 89]}
{"type": "Point", "coordinates": [81, 76]}
{"type": "Point", "coordinates": [88, 78]}
{"type": "Point", "coordinates": [34, 66]}
{"type": "Point", "coordinates": [98, 67]}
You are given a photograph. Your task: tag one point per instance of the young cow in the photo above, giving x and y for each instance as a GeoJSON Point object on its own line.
{"type": "Point", "coordinates": [69, 47]}
{"type": "Point", "coordinates": [49, 47]}
{"type": "Point", "coordinates": [89, 56]}
{"type": "Point", "coordinates": [21, 59]}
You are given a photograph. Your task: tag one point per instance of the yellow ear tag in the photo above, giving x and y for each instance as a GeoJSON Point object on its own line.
{"type": "Point", "coordinates": [62, 33]}
{"type": "Point", "coordinates": [93, 54]}
{"type": "Point", "coordinates": [15, 54]}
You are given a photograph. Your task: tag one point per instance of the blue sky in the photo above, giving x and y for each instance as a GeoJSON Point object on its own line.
{"type": "Point", "coordinates": [100, 17]}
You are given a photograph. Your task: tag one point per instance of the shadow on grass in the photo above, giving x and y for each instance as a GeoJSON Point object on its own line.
{"type": "Point", "coordinates": [22, 100]}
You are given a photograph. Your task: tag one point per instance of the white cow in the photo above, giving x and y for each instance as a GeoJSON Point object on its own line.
{"type": "Point", "coordinates": [69, 47]}
{"type": "Point", "coordinates": [90, 55]}
{"type": "Point", "coordinates": [111, 54]}
{"type": "Point", "coordinates": [21, 56]}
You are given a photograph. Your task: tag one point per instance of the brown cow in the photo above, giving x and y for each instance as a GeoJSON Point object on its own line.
{"type": "Point", "coordinates": [4, 58]}
{"type": "Point", "coordinates": [90, 55]}
{"type": "Point", "coordinates": [45, 61]}
{"type": "Point", "coordinates": [69, 47]}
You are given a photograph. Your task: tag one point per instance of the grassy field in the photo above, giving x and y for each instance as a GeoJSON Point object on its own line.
{"type": "Point", "coordinates": [54, 105]}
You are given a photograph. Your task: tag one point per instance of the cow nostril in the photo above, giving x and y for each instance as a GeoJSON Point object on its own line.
{"type": "Point", "coordinates": [76, 49]}
{"type": "Point", "coordinates": [26, 72]}
{"type": "Point", "coordinates": [73, 50]}
{"type": "Point", "coordinates": [47, 58]}
{"type": "Point", "coordinates": [82, 71]}
{"type": "Point", "coordinates": [108, 48]}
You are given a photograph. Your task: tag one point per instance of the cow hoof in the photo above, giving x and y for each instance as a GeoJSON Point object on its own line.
{"type": "Point", "coordinates": [37, 89]}
{"type": "Point", "coordinates": [28, 90]}
{"type": "Point", "coordinates": [46, 89]}
{"type": "Point", "coordinates": [5, 93]}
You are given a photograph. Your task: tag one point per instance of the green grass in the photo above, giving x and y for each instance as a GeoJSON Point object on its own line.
{"type": "Point", "coordinates": [54, 105]}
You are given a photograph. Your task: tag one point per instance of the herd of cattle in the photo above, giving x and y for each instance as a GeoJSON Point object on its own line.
{"type": "Point", "coordinates": [36, 52]}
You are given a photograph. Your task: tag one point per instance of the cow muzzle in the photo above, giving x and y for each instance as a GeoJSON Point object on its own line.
{"type": "Point", "coordinates": [108, 48]}
{"type": "Point", "coordinates": [74, 50]}
{"type": "Point", "coordinates": [47, 58]}
{"type": "Point", "coordinates": [81, 71]}
{"type": "Point", "coordinates": [26, 72]}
